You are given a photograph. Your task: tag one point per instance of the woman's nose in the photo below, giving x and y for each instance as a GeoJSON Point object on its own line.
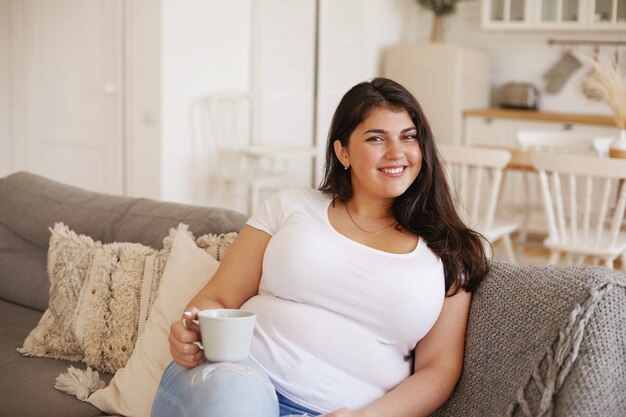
{"type": "Point", "coordinates": [394, 149]}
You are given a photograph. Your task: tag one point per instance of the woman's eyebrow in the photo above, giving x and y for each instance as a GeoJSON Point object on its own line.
{"type": "Point", "coordinates": [408, 129]}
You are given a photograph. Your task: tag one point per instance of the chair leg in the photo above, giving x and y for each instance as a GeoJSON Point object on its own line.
{"type": "Point", "coordinates": [608, 263]}
{"type": "Point", "coordinates": [523, 229]}
{"type": "Point", "coordinates": [554, 257]}
{"type": "Point", "coordinates": [508, 247]}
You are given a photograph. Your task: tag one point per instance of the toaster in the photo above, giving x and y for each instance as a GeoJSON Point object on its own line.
{"type": "Point", "coordinates": [519, 96]}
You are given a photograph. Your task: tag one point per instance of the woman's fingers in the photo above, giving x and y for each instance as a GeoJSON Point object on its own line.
{"type": "Point", "coordinates": [183, 350]}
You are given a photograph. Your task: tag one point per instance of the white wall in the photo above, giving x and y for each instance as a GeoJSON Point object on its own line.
{"type": "Point", "coordinates": [205, 49]}
{"type": "Point", "coordinates": [6, 151]}
{"type": "Point", "coordinates": [143, 98]}
{"type": "Point", "coordinates": [522, 55]}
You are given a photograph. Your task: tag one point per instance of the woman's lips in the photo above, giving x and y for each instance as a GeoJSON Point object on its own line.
{"type": "Point", "coordinates": [393, 171]}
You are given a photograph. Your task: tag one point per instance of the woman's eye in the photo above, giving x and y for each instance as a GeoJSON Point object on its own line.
{"type": "Point", "coordinates": [375, 139]}
{"type": "Point", "coordinates": [409, 137]}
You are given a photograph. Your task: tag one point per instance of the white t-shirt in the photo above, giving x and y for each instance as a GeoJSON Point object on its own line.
{"type": "Point", "coordinates": [336, 320]}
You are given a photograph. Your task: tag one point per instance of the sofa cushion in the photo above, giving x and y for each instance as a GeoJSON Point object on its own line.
{"type": "Point", "coordinates": [30, 204]}
{"type": "Point", "coordinates": [27, 384]}
{"type": "Point", "coordinates": [23, 276]}
{"type": "Point", "coordinates": [100, 296]}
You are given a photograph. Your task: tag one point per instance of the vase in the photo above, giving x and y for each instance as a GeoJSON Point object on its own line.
{"type": "Point", "coordinates": [436, 35]}
{"type": "Point", "coordinates": [618, 146]}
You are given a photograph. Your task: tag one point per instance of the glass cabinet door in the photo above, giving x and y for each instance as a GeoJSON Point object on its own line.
{"type": "Point", "coordinates": [497, 10]}
{"type": "Point", "coordinates": [560, 11]}
{"type": "Point", "coordinates": [554, 14]}
{"type": "Point", "coordinates": [517, 11]}
{"type": "Point", "coordinates": [507, 11]}
{"type": "Point", "coordinates": [609, 11]}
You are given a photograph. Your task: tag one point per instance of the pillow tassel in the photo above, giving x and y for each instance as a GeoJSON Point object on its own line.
{"type": "Point", "coordinates": [78, 382]}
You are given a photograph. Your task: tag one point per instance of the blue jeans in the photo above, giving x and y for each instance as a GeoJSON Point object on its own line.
{"type": "Point", "coordinates": [221, 390]}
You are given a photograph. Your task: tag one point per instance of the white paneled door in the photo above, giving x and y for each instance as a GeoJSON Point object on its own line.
{"type": "Point", "coordinates": [67, 73]}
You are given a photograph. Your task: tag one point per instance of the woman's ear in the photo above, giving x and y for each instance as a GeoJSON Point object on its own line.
{"type": "Point", "coordinates": [341, 153]}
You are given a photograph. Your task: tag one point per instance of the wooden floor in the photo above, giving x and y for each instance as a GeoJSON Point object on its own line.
{"type": "Point", "coordinates": [533, 252]}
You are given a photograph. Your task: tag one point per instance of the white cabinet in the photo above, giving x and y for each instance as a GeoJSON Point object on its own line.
{"type": "Point", "coordinates": [499, 131]}
{"type": "Point", "coordinates": [606, 14]}
{"type": "Point", "coordinates": [560, 14]}
{"type": "Point", "coordinates": [506, 14]}
{"type": "Point", "coordinates": [554, 14]}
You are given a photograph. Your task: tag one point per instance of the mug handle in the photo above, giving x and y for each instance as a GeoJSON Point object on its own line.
{"type": "Point", "coordinates": [186, 326]}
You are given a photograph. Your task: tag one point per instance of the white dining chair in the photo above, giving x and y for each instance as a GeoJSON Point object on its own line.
{"type": "Point", "coordinates": [475, 177]}
{"type": "Point", "coordinates": [547, 141]}
{"type": "Point", "coordinates": [584, 200]}
{"type": "Point", "coordinates": [225, 153]}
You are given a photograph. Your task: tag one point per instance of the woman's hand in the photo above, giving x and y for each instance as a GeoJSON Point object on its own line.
{"type": "Point", "coordinates": [182, 348]}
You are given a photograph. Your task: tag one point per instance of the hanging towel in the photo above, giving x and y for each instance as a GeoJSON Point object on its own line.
{"type": "Point", "coordinates": [560, 72]}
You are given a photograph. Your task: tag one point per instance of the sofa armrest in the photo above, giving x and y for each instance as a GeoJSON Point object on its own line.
{"type": "Point", "coordinates": [544, 340]}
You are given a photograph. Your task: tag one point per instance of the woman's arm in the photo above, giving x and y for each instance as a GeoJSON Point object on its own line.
{"type": "Point", "coordinates": [438, 364]}
{"type": "Point", "coordinates": [234, 282]}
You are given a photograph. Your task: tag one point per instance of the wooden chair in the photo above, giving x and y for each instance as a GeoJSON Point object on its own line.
{"type": "Point", "coordinates": [475, 176]}
{"type": "Point", "coordinates": [546, 141]}
{"type": "Point", "coordinates": [584, 199]}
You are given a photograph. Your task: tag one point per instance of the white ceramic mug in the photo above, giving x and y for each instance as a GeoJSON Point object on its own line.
{"type": "Point", "coordinates": [226, 334]}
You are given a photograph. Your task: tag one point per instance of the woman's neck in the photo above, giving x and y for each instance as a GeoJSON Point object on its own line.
{"type": "Point", "coordinates": [369, 208]}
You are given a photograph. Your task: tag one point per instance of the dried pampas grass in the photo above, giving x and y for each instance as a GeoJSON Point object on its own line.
{"type": "Point", "coordinates": [605, 82]}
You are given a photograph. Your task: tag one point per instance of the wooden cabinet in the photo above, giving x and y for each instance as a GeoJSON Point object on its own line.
{"type": "Point", "coordinates": [554, 14]}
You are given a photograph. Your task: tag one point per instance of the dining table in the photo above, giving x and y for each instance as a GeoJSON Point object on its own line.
{"type": "Point", "coordinates": [521, 159]}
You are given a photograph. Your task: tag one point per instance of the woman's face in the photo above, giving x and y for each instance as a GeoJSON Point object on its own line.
{"type": "Point", "coordinates": [383, 154]}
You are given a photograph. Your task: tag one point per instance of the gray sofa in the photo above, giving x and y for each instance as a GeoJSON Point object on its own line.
{"type": "Point", "coordinates": [542, 340]}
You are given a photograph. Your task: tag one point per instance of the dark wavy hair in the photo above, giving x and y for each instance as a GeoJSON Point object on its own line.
{"type": "Point", "coordinates": [426, 208]}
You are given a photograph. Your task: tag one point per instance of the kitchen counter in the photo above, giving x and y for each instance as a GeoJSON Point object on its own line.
{"type": "Point", "coordinates": [541, 116]}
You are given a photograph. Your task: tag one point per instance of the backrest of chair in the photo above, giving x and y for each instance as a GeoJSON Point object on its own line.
{"type": "Point", "coordinates": [473, 173]}
{"type": "Point", "coordinates": [227, 120]}
{"type": "Point", "coordinates": [584, 197]}
{"type": "Point", "coordinates": [555, 141]}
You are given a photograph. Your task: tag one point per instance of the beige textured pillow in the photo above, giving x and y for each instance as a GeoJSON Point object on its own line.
{"type": "Point", "coordinates": [133, 388]}
{"type": "Point", "coordinates": [101, 295]}
{"type": "Point", "coordinates": [94, 308]}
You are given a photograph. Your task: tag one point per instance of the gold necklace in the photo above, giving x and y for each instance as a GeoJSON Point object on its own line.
{"type": "Point", "coordinates": [363, 230]}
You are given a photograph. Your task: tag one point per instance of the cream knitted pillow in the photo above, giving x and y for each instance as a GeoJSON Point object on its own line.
{"type": "Point", "coordinates": [133, 387]}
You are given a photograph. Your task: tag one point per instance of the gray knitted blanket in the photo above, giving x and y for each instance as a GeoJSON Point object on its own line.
{"type": "Point", "coordinates": [544, 341]}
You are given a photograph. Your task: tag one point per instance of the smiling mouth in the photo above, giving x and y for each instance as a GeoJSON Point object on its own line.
{"type": "Point", "coordinates": [393, 170]}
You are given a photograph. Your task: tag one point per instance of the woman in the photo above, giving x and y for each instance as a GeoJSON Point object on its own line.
{"type": "Point", "coordinates": [349, 282]}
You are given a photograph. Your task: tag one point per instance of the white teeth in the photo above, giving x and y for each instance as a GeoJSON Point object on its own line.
{"type": "Point", "coordinates": [393, 170]}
